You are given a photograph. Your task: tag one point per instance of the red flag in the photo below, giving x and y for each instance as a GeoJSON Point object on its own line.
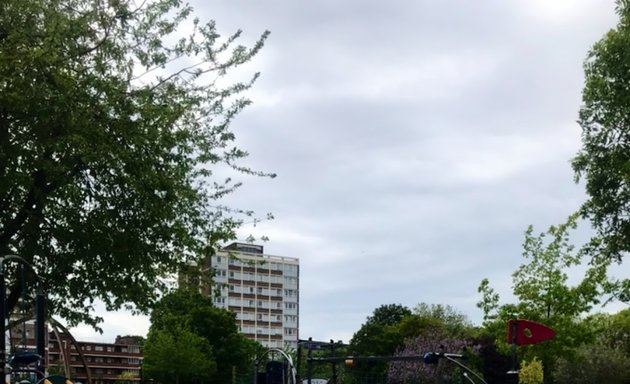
{"type": "Point", "coordinates": [528, 332]}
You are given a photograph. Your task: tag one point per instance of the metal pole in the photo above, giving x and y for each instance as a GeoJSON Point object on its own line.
{"type": "Point", "coordinates": [513, 373]}
{"type": "Point", "coordinates": [3, 310]}
{"type": "Point", "coordinates": [256, 371]}
{"type": "Point", "coordinates": [334, 363]}
{"type": "Point", "coordinates": [40, 330]}
{"type": "Point", "coordinates": [3, 315]}
{"type": "Point", "coordinates": [310, 361]}
{"type": "Point", "coordinates": [299, 361]}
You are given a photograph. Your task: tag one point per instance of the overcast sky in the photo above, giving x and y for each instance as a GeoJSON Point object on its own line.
{"type": "Point", "coordinates": [414, 142]}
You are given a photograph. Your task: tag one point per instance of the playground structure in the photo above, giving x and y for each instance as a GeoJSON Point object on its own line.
{"type": "Point", "coordinates": [432, 358]}
{"type": "Point", "coordinates": [276, 372]}
{"type": "Point", "coordinates": [284, 372]}
{"type": "Point", "coordinates": [28, 364]}
{"type": "Point", "coordinates": [519, 332]}
{"type": "Point", "coordinates": [22, 362]}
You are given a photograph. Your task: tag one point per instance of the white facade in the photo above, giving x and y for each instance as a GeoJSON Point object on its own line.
{"type": "Point", "coordinates": [262, 290]}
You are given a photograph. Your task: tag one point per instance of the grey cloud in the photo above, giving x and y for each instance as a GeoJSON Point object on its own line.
{"type": "Point", "coordinates": [414, 142]}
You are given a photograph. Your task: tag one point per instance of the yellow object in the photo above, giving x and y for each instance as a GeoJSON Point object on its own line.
{"type": "Point", "coordinates": [531, 372]}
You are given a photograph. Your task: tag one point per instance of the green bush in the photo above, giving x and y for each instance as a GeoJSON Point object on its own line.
{"type": "Point", "coordinates": [593, 363]}
{"type": "Point", "coordinates": [531, 372]}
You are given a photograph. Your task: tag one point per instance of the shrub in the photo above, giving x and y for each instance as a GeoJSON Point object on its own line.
{"type": "Point", "coordinates": [594, 363]}
{"type": "Point", "coordinates": [531, 372]}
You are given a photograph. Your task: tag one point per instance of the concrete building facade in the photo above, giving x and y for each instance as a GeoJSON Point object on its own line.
{"type": "Point", "coordinates": [262, 290]}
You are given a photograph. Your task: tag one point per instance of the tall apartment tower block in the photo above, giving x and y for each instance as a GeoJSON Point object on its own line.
{"type": "Point", "coordinates": [262, 290]}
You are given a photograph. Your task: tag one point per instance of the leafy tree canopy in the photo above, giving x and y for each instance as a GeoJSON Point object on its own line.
{"type": "Point", "coordinates": [454, 322]}
{"type": "Point", "coordinates": [380, 335]}
{"type": "Point", "coordinates": [541, 285]}
{"type": "Point", "coordinates": [604, 159]}
{"type": "Point", "coordinates": [543, 294]}
{"type": "Point", "coordinates": [388, 314]}
{"type": "Point", "coordinates": [619, 335]}
{"type": "Point", "coordinates": [603, 356]}
{"type": "Point", "coordinates": [185, 315]}
{"type": "Point", "coordinates": [111, 125]}
{"type": "Point", "coordinates": [178, 356]}
{"type": "Point", "coordinates": [391, 326]}
{"type": "Point", "coordinates": [593, 363]}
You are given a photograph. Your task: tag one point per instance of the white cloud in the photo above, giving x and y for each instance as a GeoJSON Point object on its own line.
{"type": "Point", "coordinates": [115, 323]}
{"type": "Point", "coordinates": [561, 12]}
{"type": "Point", "coordinates": [490, 158]}
{"type": "Point", "coordinates": [427, 77]}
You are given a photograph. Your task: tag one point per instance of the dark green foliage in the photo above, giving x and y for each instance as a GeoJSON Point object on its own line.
{"type": "Point", "coordinates": [604, 159]}
{"type": "Point", "coordinates": [611, 330]}
{"type": "Point", "coordinates": [494, 363]}
{"type": "Point", "coordinates": [453, 322]}
{"type": "Point", "coordinates": [618, 334]}
{"type": "Point", "coordinates": [379, 336]}
{"type": "Point", "coordinates": [392, 326]}
{"type": "Point", "coordinates": [593, 363]}
{"type": "Point", "coordinates": [110, 130]}
{"type": "Point", "coordinates": [185, 315]}
{"type": "Point", "coordinates": [388, 314]}
{"type": "Point", "coordinates": [374, 339]}
{"type": "Point", "coordinates": [178, 356]}
{"type": "Point", "coordinates": [606, 359]}
{"type": "Point", "coordinates": [320, 369]}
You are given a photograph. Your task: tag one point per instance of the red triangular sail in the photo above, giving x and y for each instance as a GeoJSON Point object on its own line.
{"type": "Point", "coordinates": [524, 332]}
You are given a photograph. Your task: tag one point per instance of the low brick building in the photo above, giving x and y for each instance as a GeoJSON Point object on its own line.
{"type": "Point", "coordinates": [120, 361]}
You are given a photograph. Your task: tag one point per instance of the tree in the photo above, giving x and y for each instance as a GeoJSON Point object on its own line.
{"type": "Point", "coordinates": [543, 294]}
{"type": "Point", "coordinates": [618, 334]}
{"type": "Point", "coordinates": [380, 335]}
{"type": "Point", "coordinates": [611, 330]}
{"type": "Point", "coordinates": [454, 322]}
{"type": "Point", "coordinates": [388, 314]}
{"type": "Point", "coordinates": [605, 358]}
{"type": "Point", "coordinates": [187, 316]}
{"type": "Point", "coordinates": [178, 356]}
{"type": "Point", "coordinates": [136, 339]}
{"type": "Point", "coordinates": [417, 371]}
{"type": "Point", "coordinates": [321, 370]}
{"type": "Point", "coordinates": [391, 326]}
{"type": "Point", "coordinates": [111, 125]}
{"type": "Point", "coordinates": [604, 159]}
{"type": "Point", "coordinates": [431, 328]}
{"type": "Point", "coordinates": [374, 339]}
{"type": "Point", "coordinates": [494, 363]}
{"type": "Point", "coordinates": [593, 363]}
